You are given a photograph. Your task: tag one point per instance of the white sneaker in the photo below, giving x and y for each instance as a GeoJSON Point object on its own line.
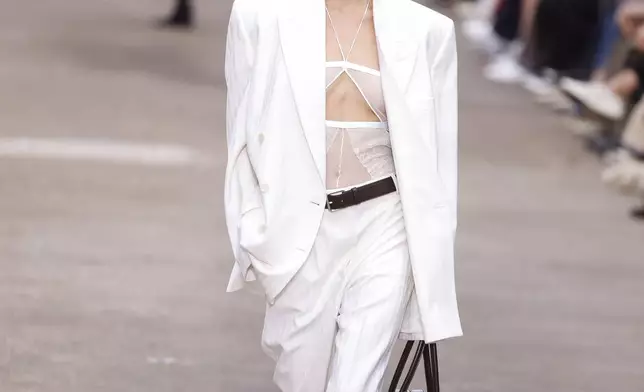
{"type": "Point", "coordinates": [557, 100]}
{"type": "Point", "coordinates": [582, 127]}
{"type": "Point", "coordinates": [504, 69]}
{"type": "Point", "coordinates": [482, 9]}
{"type": "Point", "coordinates": [476, 29]}
{"type": "Point", "coordinates": [467, 10]}
{"type": "Point", "coordinates": [515, 49]}
{"type": "Point", "coordinates": [597, 97]}
{"type": "Point", "coordinates": [548, 94]}
{"type": "Point", "coordinates": [487, 8]}
{"type": "Point", "coordinates": [537, 86]}
{"type": "Point", "coordinates": [626, 174]}
{"type": "Point", "coordinates": [481, 34]}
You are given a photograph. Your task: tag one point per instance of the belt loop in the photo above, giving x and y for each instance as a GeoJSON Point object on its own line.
{"type": "Point", "coordinates": [353, 194]}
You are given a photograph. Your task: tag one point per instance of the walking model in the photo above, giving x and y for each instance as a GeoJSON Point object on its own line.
{"type": "Point", "coordinates": [341, 181]}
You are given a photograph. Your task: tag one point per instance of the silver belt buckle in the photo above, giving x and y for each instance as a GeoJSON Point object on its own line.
{"type": "Point", "coordinates": [328, 203]}
{"type": "Point", "coordinates": [340, 193]}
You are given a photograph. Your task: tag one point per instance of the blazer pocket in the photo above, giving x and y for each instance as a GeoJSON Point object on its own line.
{"type": "Point", "coordinates": [252, 230]}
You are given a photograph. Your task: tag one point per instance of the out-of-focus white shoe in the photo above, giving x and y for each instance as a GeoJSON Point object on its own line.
{"type": "Point", "coordinates": [596, 96]}
{"type": "Point", "coordinates": [557, 100]}
{"type": "Point", "coordinates": [487, 8]}
{"type": "Point", "coordinates": [467, 10]}
{"type": "Point", "coordinates": [481, 34]}
{"type": "Point", "coordinates": [481, 9]}
{"type": "Point", "coordinates": [537, 86]}
{"type": "Point", "coordinates": [515, 49]}
{"type": "Point", "coordinates": [504, 69]}
{"type": "Point", "coordinates": [476, 29]}
{"type": "Point", "coordinates": [546, 91]}
{"type": "Point", "coordinates": [582, 127]}
{"type": "Point", "coordinates": [626, 174]}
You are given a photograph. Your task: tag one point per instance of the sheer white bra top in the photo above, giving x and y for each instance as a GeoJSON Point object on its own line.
{"type": "Point", "coordinates": [357, 151]}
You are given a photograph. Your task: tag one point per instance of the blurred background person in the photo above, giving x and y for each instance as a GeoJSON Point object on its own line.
{"type": "Point", "coordinates": [610, 94]}
{"type": "Point", "coordinates": [583, 58]}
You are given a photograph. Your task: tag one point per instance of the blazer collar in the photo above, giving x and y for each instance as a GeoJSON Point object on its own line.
{"type": "Point", "coordinates": [302, 32]}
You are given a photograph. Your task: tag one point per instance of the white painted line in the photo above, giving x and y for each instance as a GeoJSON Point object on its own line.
{"type": "Point", "coordinates": [100, 150]}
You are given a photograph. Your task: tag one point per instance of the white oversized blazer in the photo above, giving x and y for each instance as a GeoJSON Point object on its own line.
{"type": "Point", "coordinates": [274, 187]}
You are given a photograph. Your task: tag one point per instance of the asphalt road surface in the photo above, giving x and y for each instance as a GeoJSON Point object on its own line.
{"type": "Point", "coordinates": [113, 252]}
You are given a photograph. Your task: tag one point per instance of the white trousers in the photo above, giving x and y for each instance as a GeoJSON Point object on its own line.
{"type": "Point", "coordinates": [333, 327]}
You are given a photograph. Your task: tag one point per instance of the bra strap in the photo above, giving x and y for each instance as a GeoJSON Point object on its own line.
{"type": "Point", "coordinates": [355, 38]}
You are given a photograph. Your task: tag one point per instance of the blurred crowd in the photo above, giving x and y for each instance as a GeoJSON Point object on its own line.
{"type": "Point", "coordinates": [581, 58]}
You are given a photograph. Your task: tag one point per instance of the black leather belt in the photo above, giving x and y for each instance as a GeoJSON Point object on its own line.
{"type": "Point", "coordinates": [360, 194]}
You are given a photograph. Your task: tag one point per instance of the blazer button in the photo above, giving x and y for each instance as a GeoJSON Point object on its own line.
{"type": "Point", "coordinates": [263, 188]}
{"type": "Point", "coordinates": [260, 138]}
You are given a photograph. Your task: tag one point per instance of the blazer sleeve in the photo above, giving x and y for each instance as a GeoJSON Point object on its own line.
{"type": "Point", "coordinates": [444, 77]}
{"type": "Point", "coordinates": [241, 191]}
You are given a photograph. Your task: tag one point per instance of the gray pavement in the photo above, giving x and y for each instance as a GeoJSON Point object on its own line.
{"type": "Point", "coordinates": [112, 270]}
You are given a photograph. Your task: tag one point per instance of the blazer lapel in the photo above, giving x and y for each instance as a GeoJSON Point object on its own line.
{"type": "Point", "coordinates": [302, 27]}
{"type": "Point", "coordinates": [398, 48]}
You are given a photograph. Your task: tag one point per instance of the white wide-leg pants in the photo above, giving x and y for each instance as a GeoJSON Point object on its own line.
{"type": "Point", "coordinates": [333, 327]}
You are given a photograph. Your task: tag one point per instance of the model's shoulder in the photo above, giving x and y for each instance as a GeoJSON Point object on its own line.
{"type": "Point", "coordinates": [250, 11]}
{"type": "Point", "coordinates": [246, 8]}
{"type": "Point", "coordinates": [426, 17]}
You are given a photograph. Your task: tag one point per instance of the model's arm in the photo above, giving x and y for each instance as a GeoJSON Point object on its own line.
{"type": "Point", "coordinates": [241, 192]}
{"type": "Point", "coordinates": [444, 71]}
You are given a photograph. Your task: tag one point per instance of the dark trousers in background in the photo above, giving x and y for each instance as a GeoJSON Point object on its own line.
{"type": "Point", "coordinates": [566, 35]}
{"type": "Point", "coordinates": [507, 21]}
{"type": "Point", "coordinates": [610, 35]}
{"type": "Point", "coordinates": [182, 6]}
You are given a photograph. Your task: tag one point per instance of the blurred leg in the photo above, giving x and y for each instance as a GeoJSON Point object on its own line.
{"type": "Point", "coordinates": [508, 20]}
{"type": "Point", "coordinates": [182, 15]}
{"type": "Point", "coordinates": [566, 36]}
{"type": "Point", "coordinates": [528, 11]}
{"type": "Point", "coordinates": [610, 36]}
